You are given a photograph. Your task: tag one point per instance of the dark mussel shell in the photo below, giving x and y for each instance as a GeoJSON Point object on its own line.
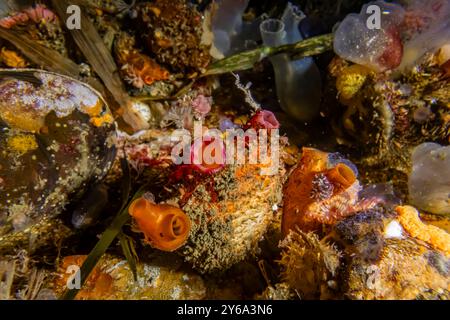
{"type": "Point", "coordinates": [57, 135]}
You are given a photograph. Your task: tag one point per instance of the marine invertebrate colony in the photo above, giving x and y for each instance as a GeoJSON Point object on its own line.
{"type": "Point", "coordinates": [174, 35]}
{"type": "Point", "coordinates": [138, 69]}
{"type": "Point", "coordinates": [188, 209]}
{"type": "Point", "coordinates": [319, 192]}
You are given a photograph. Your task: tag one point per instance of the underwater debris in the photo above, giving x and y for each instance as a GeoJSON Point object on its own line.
{"type": "Point", "coordinates": [56, 135]}
{"type": "Point", "coordinates": [165, 227]}
{"type": "Point", "coordinates": [320, 191]}
{"type": "Point", "coordinates": [20, 278]}
{"type": "Point", "coordinates": [298, 82]}
{"type": "Point", "coordinates": [429, 180]}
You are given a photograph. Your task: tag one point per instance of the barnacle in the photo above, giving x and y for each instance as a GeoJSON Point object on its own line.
{"type": "Point", "coordinates": [165, 227]}
{"type": "Point", "coordinates": [232, 210]}
{"type": "Point", "coordinates": [309, 265]}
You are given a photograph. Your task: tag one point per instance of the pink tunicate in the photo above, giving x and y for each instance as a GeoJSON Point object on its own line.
{"type": "Point", "coordinates": [264, 119]}
{"type": "Point", "coordinates": [201, 105]}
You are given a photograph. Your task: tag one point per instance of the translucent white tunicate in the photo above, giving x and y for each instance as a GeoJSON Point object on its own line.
{"type": "Point", "coordinates": [386, 36]}
{"type": "Point", "coordinates": [231, 33]}
{"type": "Point", "coordinates": [426, 28]}
{"type": "Point", "coordinates": [298, 82]}
{"type": "Point", "coordinates": [429, 181]}
{"type": "Point", "coordinates": [365, 37]}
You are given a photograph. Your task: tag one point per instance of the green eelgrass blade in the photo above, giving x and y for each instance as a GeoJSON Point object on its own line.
{"type": "Point", "coordinates": [102, 245]}
{"type": "Point", "coordinates": [109, 234]}
{"type": "Point", "coordinates": [246, 60]}
{"type": "Point", "coordinates": [129, 251]}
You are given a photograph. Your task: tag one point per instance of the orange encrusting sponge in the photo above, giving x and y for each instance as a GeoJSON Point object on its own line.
{"type": "Point", "coordinates": [165, 227]}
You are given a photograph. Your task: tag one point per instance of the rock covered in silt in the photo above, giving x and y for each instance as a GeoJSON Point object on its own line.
{"type": "Point", "coordinates": [112, 279]}
{"type": "Point", "coordinates": [394, 256]}
{"type": "Point", "coordinates": [377, 253]}
{"type": "Point", "coordinates": [56, 136]}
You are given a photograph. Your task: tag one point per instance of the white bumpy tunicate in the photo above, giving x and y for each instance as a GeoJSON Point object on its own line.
{"type": "Point", "coordinates": [429, 181]}
{"type": "Point", "coordinates": [363, 38]}
{"type": "Point", "coordinates": [298, 82]}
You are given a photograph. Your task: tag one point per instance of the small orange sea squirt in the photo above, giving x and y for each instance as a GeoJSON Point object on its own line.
{"type": "Point", "coordinates": [319, 192]}
{"type": "Point", "coordinates": [165, 227]}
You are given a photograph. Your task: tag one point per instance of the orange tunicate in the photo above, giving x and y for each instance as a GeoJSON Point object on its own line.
{"type": "Point", "coordinates": [165, 227]}
{"type": "Point", "coordinates": [318, 193]}
{"type": "Point", "coordinates": [341, 174]}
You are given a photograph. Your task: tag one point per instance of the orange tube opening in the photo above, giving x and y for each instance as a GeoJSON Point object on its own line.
{"type": "Point", "coordinates": [343, 175]}
{"type": "Point", "coordinates": [165, 227]}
